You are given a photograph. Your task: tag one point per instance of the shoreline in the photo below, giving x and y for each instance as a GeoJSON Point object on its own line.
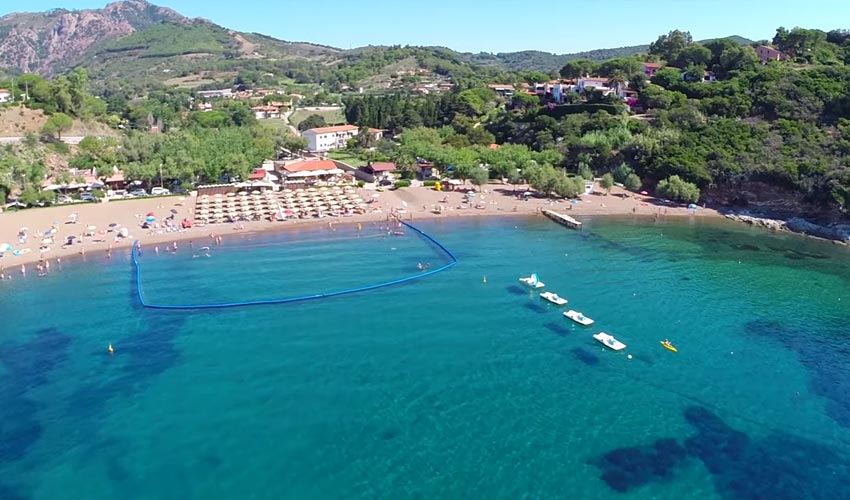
{"type": "Point", "coordinates": [411, 204]}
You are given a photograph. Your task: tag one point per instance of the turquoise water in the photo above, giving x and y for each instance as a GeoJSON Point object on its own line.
{"type": "Point", "coordinates": [446, 387]}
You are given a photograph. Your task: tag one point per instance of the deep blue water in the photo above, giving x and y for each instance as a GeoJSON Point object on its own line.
{"type": "Point", "coordinates": [447, 387]}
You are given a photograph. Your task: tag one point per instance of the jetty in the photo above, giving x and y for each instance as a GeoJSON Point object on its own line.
{"type": "Point", "coordinates": [564, 220]}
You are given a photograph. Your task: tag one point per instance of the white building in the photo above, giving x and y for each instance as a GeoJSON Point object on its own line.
{"type": "Point", "coordinates": [327, 138]}
{"type": "Point", "coordinates": [266, 112]}
{"type": "Point", "coordinates": [5, 95]}
{"type": "Point", "coordinates": [211, 94]}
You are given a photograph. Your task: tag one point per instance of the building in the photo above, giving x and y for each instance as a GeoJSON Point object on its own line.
{"type": "Point", "coordinates": [502, 90]}
{"type": "Point", "coordinates": [603, 85]}
{"type": "Point", "coordinates": [328, 138]}
{"type": "Point", "coordinates": [266, 112]}
{"type": "Point", "coordinates": [766, 54]}
{"type": "Point", "coordinates": [308, 170]}
{"type": "Point", "coordinates": [5, 96]}
{"type": "Point", "coordinates": [212, 94]}
{"type": "Point", "coordinates": [649, 69]}
{"type": "Point", "coordinates": [380, 171]}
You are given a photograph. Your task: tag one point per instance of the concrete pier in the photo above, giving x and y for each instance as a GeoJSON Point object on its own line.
{"type": "Point", "coordinates": [564, 220]}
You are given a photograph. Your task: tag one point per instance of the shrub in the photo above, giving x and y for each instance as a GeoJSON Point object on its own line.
{"type": "Point", "coordinates": [59, 147]}
{"type": "Point", "coordinates": [361, 183]}
{"type": "Point", "coordinates": [402, 184]}
{"type": "Point", "coordinates": [572, 109]}
{"type": "Point", "coordinates": [632, 182]}
{"type": "Point", "coordinates": [621, 173]}
{"type": "Point", "coordinates": [429, 183]}
{"type": "Point", "coordinates": [675, 188]}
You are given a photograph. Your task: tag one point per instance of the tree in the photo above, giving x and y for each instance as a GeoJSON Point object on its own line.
{"type": "Point", "coordinates": [692, 54]}
{"type": "Point", "coordinates": [294, 143]}
{"type": "Point", "coordinates": [675, 188]}
{"type": "Point", "coordinates": [578, 68]}
{"type": "Point", "coordinates": [607, 182]}
{"type": "Point", "coordinates": [312, 121]}
{"type": "Point", "coordinates": [621, 172]}
{"type": "Point", "coordinates": [632, 182]}
{"type": "Point", "coordinates": [668, 46]}
{"type": "Point", "coordinates": [56, 124]}
{"type": "Point", "coordinates": [568, 187]}
{"type": "Point", "coordinates": [479, 176]}
{"type": "Point", "coordinates": [584, 171]}
{"type": "Point", "coordinates": [621, 65]}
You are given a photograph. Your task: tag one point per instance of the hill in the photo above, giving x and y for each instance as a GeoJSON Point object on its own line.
{"type": "Point", "coordinates": [535, 60]}
{"type": "Point", "coordinates": [139, 42]}
{"type": "Point", "coordinates": [51, 42]}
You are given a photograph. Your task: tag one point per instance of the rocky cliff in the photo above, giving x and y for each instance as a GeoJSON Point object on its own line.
{"type": "Point", "coordinates": [54, 41]}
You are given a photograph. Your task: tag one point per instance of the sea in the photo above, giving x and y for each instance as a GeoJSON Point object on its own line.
{"type": "Point", "coordinates": [461, 384]}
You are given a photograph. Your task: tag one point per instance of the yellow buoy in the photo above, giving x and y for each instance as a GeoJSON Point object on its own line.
{"type": "Point", "coordinates": [111, 350]}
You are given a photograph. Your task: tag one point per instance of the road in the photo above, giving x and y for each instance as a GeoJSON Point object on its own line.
{"type": "Point", "coordinates": [15, 140]}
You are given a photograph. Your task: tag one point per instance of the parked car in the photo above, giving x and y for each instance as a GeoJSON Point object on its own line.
{"type": "Point", "coordinates": [160, 191]}
{"type": "Point", "coordinates": [64, 198]}
{"type": "Point", "coordinates": [120, 194]}
{"type": "Point", "coordinates": [87, 197]}
{"type": "Point", "coordinates": [139, 192]}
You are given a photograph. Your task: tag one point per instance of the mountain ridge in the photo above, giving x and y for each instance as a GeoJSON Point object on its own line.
{"type": "Point", "coordinates": [137, 39]}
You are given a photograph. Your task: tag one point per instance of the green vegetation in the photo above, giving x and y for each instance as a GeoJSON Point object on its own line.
{"type": "Point", "coordinates": [347, 157]}
{"type": "Point", "coordinates": [172, 39]}
{"type": "Point", "coordinates": [675, 188]}
{"type": "Point", "coordinates": [328, 117]}
{"type": "Point", "coordinates": [785, 125]}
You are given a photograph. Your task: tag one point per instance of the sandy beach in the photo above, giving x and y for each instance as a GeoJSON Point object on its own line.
{"type": "Point", "coordinates": [412, 203]}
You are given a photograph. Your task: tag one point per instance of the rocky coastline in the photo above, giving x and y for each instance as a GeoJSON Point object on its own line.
{"type": "Point", "coordinates": [838, 233]}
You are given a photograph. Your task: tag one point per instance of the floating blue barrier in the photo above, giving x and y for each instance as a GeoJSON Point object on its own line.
{"type": "Point", "coordinates": [452, 263]}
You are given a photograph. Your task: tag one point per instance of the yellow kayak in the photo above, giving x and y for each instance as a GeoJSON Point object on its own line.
{"type": "Point", "coordinates": [669, 346]}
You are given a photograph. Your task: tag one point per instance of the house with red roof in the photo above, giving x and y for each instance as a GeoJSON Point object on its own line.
{"type": "Point", "coordinates": [649, 68]}
{"type": "Point", "coordinates": [300, 171]}
{"type": "Point", "coordinates": [380, 171]}
{"type": "Point", "coordinates": [767, 53]}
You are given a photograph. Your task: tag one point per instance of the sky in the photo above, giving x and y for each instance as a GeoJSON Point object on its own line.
{"type": "Point", "coordinates": [494, 25]}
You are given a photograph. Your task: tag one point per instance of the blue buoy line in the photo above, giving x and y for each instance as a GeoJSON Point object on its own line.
{"type": "Point", "coordinates": [452, 263]}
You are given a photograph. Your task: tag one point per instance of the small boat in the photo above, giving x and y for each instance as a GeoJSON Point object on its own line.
{"type": "Point", "coordinates": [609, 341]}
{"type": "Point", "coordinates": [533, 281]}
{"type": "Point", "coordinates": [578, 318]}
{"type": "Point", "coordinates": [553, 298]}
{"type": "Point", "coordinates": [667, 345]}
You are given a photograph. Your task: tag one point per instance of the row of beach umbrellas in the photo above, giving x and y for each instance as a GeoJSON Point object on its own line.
{"type": "Point", "coordinates": [221, 207]}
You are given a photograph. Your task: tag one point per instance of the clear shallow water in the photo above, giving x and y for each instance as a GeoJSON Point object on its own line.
{"type": "Point", "coordinates": [443, 388]}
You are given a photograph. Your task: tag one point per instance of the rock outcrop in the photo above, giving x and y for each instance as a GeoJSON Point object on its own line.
{"type": "Point", "coordinates": [51, 42]}
{"type": "Point", "coordinates": [839, 233]}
